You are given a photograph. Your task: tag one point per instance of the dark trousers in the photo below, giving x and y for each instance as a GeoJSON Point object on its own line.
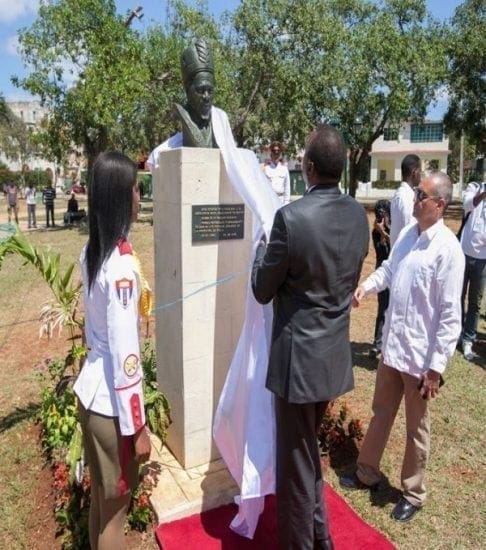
{"type": "Point", "coordinates": [383, 299]}
{"type": "Point", "coordinates": [301, 512]}
{"type": "Point", "coordinates": [50, 210]}
{"type": "Point", "coordinates": [474, 283]}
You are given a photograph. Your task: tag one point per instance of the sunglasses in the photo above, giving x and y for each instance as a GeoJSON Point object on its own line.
{"type": "Point", "coordinates": [276, 151]}
{"type": "Point", "coordinates": [422, 195]}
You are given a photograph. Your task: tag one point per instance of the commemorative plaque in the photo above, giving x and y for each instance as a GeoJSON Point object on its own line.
{"type": "Point", "coordinates": [217, 222]}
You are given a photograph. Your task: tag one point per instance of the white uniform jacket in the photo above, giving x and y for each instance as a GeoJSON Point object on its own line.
{"type": "Point", "coordinates": [279, 178]}
{"type": "Point", "coordinates": [110, 382]}
{"type": "Point", "coordinates": [473, 238]}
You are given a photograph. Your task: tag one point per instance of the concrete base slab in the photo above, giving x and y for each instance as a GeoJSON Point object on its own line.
{"type": "Point", "coordinates": [181, 493]}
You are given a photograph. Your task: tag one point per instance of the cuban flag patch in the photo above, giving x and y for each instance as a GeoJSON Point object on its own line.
{"type": "Point", "coordinates": [124, 291]}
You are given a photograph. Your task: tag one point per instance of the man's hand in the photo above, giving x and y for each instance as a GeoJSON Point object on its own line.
{"type": "Point", "coordinates": [480, 196]}
{"type": "Point", "coordinates": [359, 294]}
{"type": "Point", "coordinates": [141, 441]}
{"type": "Point", "coordinates": [429, 384]}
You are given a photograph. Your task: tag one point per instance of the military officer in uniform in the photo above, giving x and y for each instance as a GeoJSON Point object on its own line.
{"type": "Point", "coordinates": [277, 173]}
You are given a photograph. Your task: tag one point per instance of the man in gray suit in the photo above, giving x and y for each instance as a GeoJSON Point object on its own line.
{"type": "Point", "coordinates": [309, 268]}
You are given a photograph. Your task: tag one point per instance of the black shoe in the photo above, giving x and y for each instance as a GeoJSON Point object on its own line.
{"type": "Point", "coordinates": [323, 544]}
{"type": "Point", "coordinates": [352, 481]}
{"type": "Point", "coordinates": [404, 510]}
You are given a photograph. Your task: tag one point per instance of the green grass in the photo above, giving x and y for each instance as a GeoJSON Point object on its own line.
{"type": "Point", "coordinates": [456, 474]}
{"type": "Point", "coordinates": [454, 514]}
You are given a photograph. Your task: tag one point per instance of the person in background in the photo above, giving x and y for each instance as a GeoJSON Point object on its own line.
{"type": "Point", "coordinates": [48, 196]}
{"type": "Point", "coordinates": [30, 199]}
{"type": "Point", "coordinates": [72, 208]}
{"type": "Point", "coordinates": [424, 274]}
{"type": "Point", "coordinates": [277, 173]}
{"type": "Point", "coordinates": [401, 209]}
{"type": "Point", "coordinates": [11, 193]}
{"type": "Point", "coordinates": [309, 269]}
{"type": "Point", "coordinates": [381, 243]}
{"type": "Point", "coordinates": [473, 242]}
{"type": "Point", "coordinates": [109, 386]}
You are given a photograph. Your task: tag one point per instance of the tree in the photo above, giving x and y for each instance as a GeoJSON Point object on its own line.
{"type": "Point", "coordinates": [392, 63]}
{"type": "Point", "coordinates": [3, 110]}
{"type": "Point", "coordinates": [360, 65]}
{"type": "Point", "coordinates": [453, 161]}
{"type": "Point", "coordinates": [161, 57]}
{"type": "Point", "coordinates": [18, 142]}
{"type": "Point", "coordinates": [467, 78]}
{"type": "Point", "coordinates": [87, 42]}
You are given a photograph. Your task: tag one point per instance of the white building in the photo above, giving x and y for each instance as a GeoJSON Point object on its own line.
{"type": "Point", "coordinates": [31, 113]}
{"type": "Point", "coordinates": [426, 140]}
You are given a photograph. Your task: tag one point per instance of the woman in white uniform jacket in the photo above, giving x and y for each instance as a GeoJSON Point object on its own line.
{"type": "Point", "coordinates": [109, 386]}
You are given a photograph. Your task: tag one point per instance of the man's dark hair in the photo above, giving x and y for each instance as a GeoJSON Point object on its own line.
{"type": "Point", "coordinates": [326, 150]}
{"type": "Point", "coordinates": [409, 164]}
{"type": "Point", "coordinates": [110, 198]}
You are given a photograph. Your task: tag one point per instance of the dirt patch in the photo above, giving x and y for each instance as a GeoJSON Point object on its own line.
{"type": "Point", "coordinates": [42, 527]}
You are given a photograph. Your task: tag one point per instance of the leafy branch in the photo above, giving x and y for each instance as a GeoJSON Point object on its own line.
{"type": "Point", "coordinates": [62, 311]}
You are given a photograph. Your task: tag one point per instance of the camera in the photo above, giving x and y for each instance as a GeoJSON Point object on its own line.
{"type": "Point", "coordinates": [380, 215]}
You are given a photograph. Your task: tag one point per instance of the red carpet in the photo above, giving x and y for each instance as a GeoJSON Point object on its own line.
{"type": "Point", "coordinates": [210, 530]}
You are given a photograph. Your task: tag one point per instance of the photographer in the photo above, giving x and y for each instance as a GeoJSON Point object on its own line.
{"type": "Point", "coordinates": [381, 244]}
{"type": "Point", "coordinates": [473, 242]}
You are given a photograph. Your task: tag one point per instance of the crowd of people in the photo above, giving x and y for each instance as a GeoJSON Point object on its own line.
{"type": "Point", "coordinates": [309, 265]}
{"type": "Point", "coordinates": [422, 316]}
{"type": "Point", "coordinates": [429, 285]}
{"type": "Point", "coordinates": [33, 197]}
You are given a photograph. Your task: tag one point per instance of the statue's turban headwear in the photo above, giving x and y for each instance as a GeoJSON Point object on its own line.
{"type": "Point", "coordinates": [197, 58]}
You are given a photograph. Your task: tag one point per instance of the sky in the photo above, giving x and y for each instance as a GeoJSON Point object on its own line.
{"type": "Point", "coordinates": [21, 13]}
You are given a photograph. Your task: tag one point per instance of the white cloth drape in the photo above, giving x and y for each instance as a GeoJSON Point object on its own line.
{"type": "Point", "coordinates": [244, 424]}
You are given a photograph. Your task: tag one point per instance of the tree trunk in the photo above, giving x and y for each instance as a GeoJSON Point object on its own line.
{"type": "Point", "coordinates": [353, 170]}
{"type": "Point", "coordinates": [94, 147]}
{"type": "Point", "coordinates": [358, 168]}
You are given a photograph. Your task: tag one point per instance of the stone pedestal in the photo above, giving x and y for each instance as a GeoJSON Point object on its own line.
{"type": "Point", "coordinates": [198, 322]}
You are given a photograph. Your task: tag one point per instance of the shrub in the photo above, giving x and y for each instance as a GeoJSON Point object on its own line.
{"type": "Point", "coordinates": [62, 445]}
{"type": "Point", "coordinates": [38, 178]}
{"type": "Point", "coordinates": [385, 184]}
{"type": "Point", "coordinates": [7, 176]}
{"type": "Point", "coordinates": [337, 430]}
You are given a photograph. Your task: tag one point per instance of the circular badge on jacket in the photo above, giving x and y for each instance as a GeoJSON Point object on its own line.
{"type": "Point", "coordinates": [130, 365]}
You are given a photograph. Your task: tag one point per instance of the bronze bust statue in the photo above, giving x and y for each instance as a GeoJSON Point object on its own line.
{"type": "Point", "coordinates": [198, 77]}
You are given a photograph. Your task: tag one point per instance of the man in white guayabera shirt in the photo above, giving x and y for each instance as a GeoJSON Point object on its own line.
{"type": "Point", "coordinates": [401, 208]}
{"type": "Point", "coordinates": [473, 242]}
{"type": "Point", "coordinates": [424, 274]}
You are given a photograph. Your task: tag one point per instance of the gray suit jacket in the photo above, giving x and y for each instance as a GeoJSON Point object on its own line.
{"type": "Point", "coordinates": [310, 269]}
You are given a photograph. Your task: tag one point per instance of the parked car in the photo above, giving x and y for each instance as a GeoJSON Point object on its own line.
{"type": "Point", "coordinates": [79, 189]}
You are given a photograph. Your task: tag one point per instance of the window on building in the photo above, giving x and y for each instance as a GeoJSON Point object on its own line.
{"type": "Point", "coordinates": [426, 132]}
{"type": "Point", "coordinates": [433, 164]}
{"type": "Point", "coordinates": [33, 115]}
{"type": "Point", "coordinates": [22, 115]}
{"type": "Point", "coordinates": [390, 134]}
{"type": "Point", "coordinates": [382, 176]}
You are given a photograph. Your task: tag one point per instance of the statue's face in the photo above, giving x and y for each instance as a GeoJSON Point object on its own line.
{"type": "Point", "coordinates": [200, 94]}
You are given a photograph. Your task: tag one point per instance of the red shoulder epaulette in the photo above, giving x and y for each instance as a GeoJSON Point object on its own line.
{"type": "Point", "coordinates": [124, 247]}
